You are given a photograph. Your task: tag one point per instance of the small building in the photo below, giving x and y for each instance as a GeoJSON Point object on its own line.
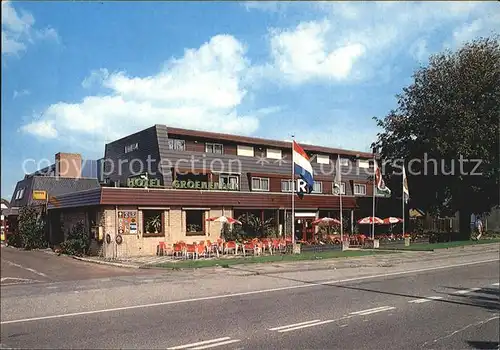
{"type": "Point", "coordinates": [163, 183]}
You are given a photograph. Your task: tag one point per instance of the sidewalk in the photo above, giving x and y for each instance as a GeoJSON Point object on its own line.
{"type": "Point", "coordinates": [383, 260]}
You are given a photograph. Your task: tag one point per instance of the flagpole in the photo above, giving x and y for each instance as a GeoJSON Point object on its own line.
{"type": "Point", "coordinates": [293, 193]}
{"type": "Point", "coordinates": [373, 205]}
{"type": "Point", "coordinates": [340, 190]}
{"type": "Point", "coordinates": [403, 198]}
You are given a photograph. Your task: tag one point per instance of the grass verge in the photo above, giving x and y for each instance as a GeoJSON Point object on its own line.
{"type": "Point", "coordinates": [443, 245]}
{"type": "Point", "coordinates": [267, 259]}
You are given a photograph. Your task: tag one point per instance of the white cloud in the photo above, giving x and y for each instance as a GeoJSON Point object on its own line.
{"type": "Point", "coordinates": [18, 30]}
{"type": "Point", "coordinates": [304, 53]}
{"type": "Point", "coordinates": [21, 93]}
{"type": "Point", "coordinates": [201, 90]}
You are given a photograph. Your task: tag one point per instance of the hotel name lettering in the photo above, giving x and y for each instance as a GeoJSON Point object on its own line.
{"type": "Point", "coordinates": [203, 185]}
{"type": "Point", "coordinates": [138, 182]}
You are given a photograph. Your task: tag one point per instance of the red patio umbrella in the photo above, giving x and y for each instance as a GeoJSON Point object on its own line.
{"type": "Point", "coordinates": [224, 219]}
{"type": "Point", "coordinates": [326, 221]}
{"type": "Point", "coordinates": [392, 220]}
{"type": "Point", "coordinates": [370, 220]}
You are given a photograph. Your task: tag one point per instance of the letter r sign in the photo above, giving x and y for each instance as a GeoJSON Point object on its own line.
{"type": "Point", "coordinates": [301, 186]}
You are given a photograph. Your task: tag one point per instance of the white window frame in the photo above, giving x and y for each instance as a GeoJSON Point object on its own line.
{"type": "Point", "coordinates": [357, 193]}
{"type": "Point", "coordinates": [210, 147]}
{"type": "Point", "coordinates": [322, 159]}
{"type": "Point", "coordinates": [260, 182]}
{"type": "Point", "coordinates": [342, 189]}
{"type": "Point", "coordinates": [172, 143]}
{"type": "Point", "coordinates": [289, 185]}
{"type": "Point", "coordinates": [20, 193]}
{"type": "Point", "coordinates": [273, 153]}
{"type": "Point", "coordinates": [344, 161]}
{"type": "Point", "coordinates": [246, 151]}
{"type": "Point", "coordinates": [229, 176]}
{"type": "Point", "coordinates": [320, 183]}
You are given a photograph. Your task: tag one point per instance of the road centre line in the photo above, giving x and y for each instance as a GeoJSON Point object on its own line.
{"type": "Point", "coordinates": [226, 296]}
{"type": "Point", "coordinates": [372, 311]}
{"type": "Point", "coordinates": [218, 344]}
{"type": "Point", "coordinates": [306, 326]}
{"type": "Point", "coordinates": [466, 291]}
{"type": "Point", "coordinates": [185, 346]}
{"type": "Point", "coordinates": [292, 325]}
{"type": "Point", "coordinates": [424, 300]}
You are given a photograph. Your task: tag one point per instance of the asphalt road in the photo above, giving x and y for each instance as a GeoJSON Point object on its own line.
{"type": "Point", "coordinates": [446, 308]}
{"type": "Point", "coordinates": [21, 267]}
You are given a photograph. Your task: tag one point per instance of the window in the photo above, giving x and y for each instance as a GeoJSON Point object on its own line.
{"type": "Point", "coordinates": [152, 223]}
{"type": "Point", "coordinates": [131, 147]}
{"type": "Point", "coordinates": [286, 185]}
{"type": "Point", "coordinates": [260, 184]}
{"type": "Point", "coordinates": [344, 162]}
{"type": "Point", "coordinates": [20, 194]}
{"type": "Point", "coordinates": [273, 153]}
{"type": "Point", "coordinates": [317, 187]}
{"type": "Point", "coordinates": [337, 190]}
{"type": "Point", "coordinates": [214, 148]}
{"type": "Point", "coordinates": [359, 189]}
{"type": "Point", "coordinates": [230, 181]}
{"type": "Point", "coordinates": [176, 145]}
{"type": "Point", "coordinates": [195, 223]}
{"type": "Point", "coordinates": [245, 151]}
{"type": "Point", "coordinates": [322, 159]}
{"type": "Point", "coordinates": [363, 163]}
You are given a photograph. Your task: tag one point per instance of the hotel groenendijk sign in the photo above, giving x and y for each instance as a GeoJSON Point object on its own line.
{"type": "Point", "coordinates": [39, 195]}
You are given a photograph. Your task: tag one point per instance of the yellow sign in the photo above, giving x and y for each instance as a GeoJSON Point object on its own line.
{"type": "Point", "coordinates": [40, 195]}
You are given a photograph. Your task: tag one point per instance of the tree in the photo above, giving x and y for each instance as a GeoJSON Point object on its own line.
{"type": "Point", "coordinates": [450, 113]}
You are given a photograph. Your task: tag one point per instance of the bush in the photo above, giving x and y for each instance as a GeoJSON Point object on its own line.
{"type": "Point", "coordinates": [78, 241]}
{"type": "Point", "coordinates": [30, 229]}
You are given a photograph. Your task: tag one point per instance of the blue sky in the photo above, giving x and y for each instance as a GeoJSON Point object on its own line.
{"type": "Point", "coordinates": [78, 74]}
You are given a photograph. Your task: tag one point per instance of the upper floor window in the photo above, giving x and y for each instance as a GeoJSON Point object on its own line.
{"type": "Point", "coordinates": [363, 163]}
{"type": "Point", "coordinates": [231, 182]}
{"type": "Point", "coordinates": [286, 185]}
{"type": "Point", "coordinates": [322, 159]}
{"type": "Point", "coordinates": [131, 147]}
{"type": "Point", "coordinates": [260, 184]}
{"type": "Point", "coordinates": [360, 189]}
{"type": "Point", "coordinates": [317, 187]}
{"type": "Point", "coordinates": [344, 162]}
{"type": "Point", "coordinates": [338, 189]}
{"type": "Point", "coordinates": [273, 153]}
{"type": "Point", "coordinates": [245, 151]}
{"type": "Point", "coordinates": [176, 144]}
{"type": "Point", "coordinates": [214, 148]}
{"type": "Point", "coordinates": [19, 193]}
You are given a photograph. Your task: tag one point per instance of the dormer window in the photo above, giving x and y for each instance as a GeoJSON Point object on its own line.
{"type": "Point", "coordinates": [132, 147]}
{"type": "Point", "coordinates": [214, 148]}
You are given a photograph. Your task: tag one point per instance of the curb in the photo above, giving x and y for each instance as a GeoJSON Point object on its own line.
{"type": "Point", "coordinates": [109, 263]}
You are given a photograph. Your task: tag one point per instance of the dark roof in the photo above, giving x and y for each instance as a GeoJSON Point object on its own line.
{"type": "Point", "coordinates": [54, 186]}
{"type": "Point", "coordinates": [264, 142]}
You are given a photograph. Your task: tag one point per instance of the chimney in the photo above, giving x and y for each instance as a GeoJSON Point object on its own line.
{"type": "Point", "coordinates": [68, 165]}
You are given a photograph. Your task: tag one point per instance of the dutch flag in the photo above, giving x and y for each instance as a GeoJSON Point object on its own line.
{"type": "Point", "coordinates": [302, 166]}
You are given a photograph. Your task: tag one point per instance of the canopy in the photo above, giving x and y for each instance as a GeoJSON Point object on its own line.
{"type": "Point", "coordinates": [370, 220]}
{"type": "Point", "coordinates": [326, 221]}
{"type": "Point", "coordinates": [224, 219]}
{"type": "Point", "coordinates": [392, 220]}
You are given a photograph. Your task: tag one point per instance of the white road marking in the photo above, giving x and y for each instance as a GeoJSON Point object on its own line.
{"type": "Point", "coordinates": [424, 300]}
{"type": "Point", "coordinates": [206, 344]}
{"type": "Point", "coordinates": [26, 268]}
{"type": "Point", "coordinates": [372, 311]}
{"type": "Point", "coordinates": [226, 296]}
{"type": "Point", "coordinates": [306, 326]}
{"type": "Point", "coordinates": [466, 291]}
{"type": "Point", "coordinates": [496, 284]}
{"type": "Point", "coordinates": [218, 344]}
{"type": "Point", "coordinates": [292, 325]}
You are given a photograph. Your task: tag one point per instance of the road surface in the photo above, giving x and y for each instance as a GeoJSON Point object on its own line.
{"type": "Point", "coordinates": [433, 307]}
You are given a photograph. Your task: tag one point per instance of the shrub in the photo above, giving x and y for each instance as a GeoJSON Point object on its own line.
{"type": "Point", "coordinates": [30, 229]}
{"type": "Point", "coordinates": [78, 241]}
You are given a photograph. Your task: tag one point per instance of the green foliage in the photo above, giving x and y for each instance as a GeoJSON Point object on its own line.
{"type": "Point", "coordinates": [153, 224]}
{"type": "Point", "coordinates": [30, 233]}
{"type": "Point", "coordinates": [255, 226]}
{"type": "Point", "coordinates": [78, 241]}
{"type": "Point", "coordinates": [450, 112]}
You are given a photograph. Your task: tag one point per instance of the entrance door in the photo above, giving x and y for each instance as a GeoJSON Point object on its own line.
{"type": "Point", "coordinates": [304, 229]}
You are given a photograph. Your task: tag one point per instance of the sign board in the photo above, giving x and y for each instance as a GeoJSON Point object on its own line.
{"type": "Point", "coordinates": [139, 182]}
{"type": "Point", "coordinates": [127, 222]}
{"type": "Point", "coordinates": [39, 195]}
{"type": "Point", "coordinates": [203, 185]}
